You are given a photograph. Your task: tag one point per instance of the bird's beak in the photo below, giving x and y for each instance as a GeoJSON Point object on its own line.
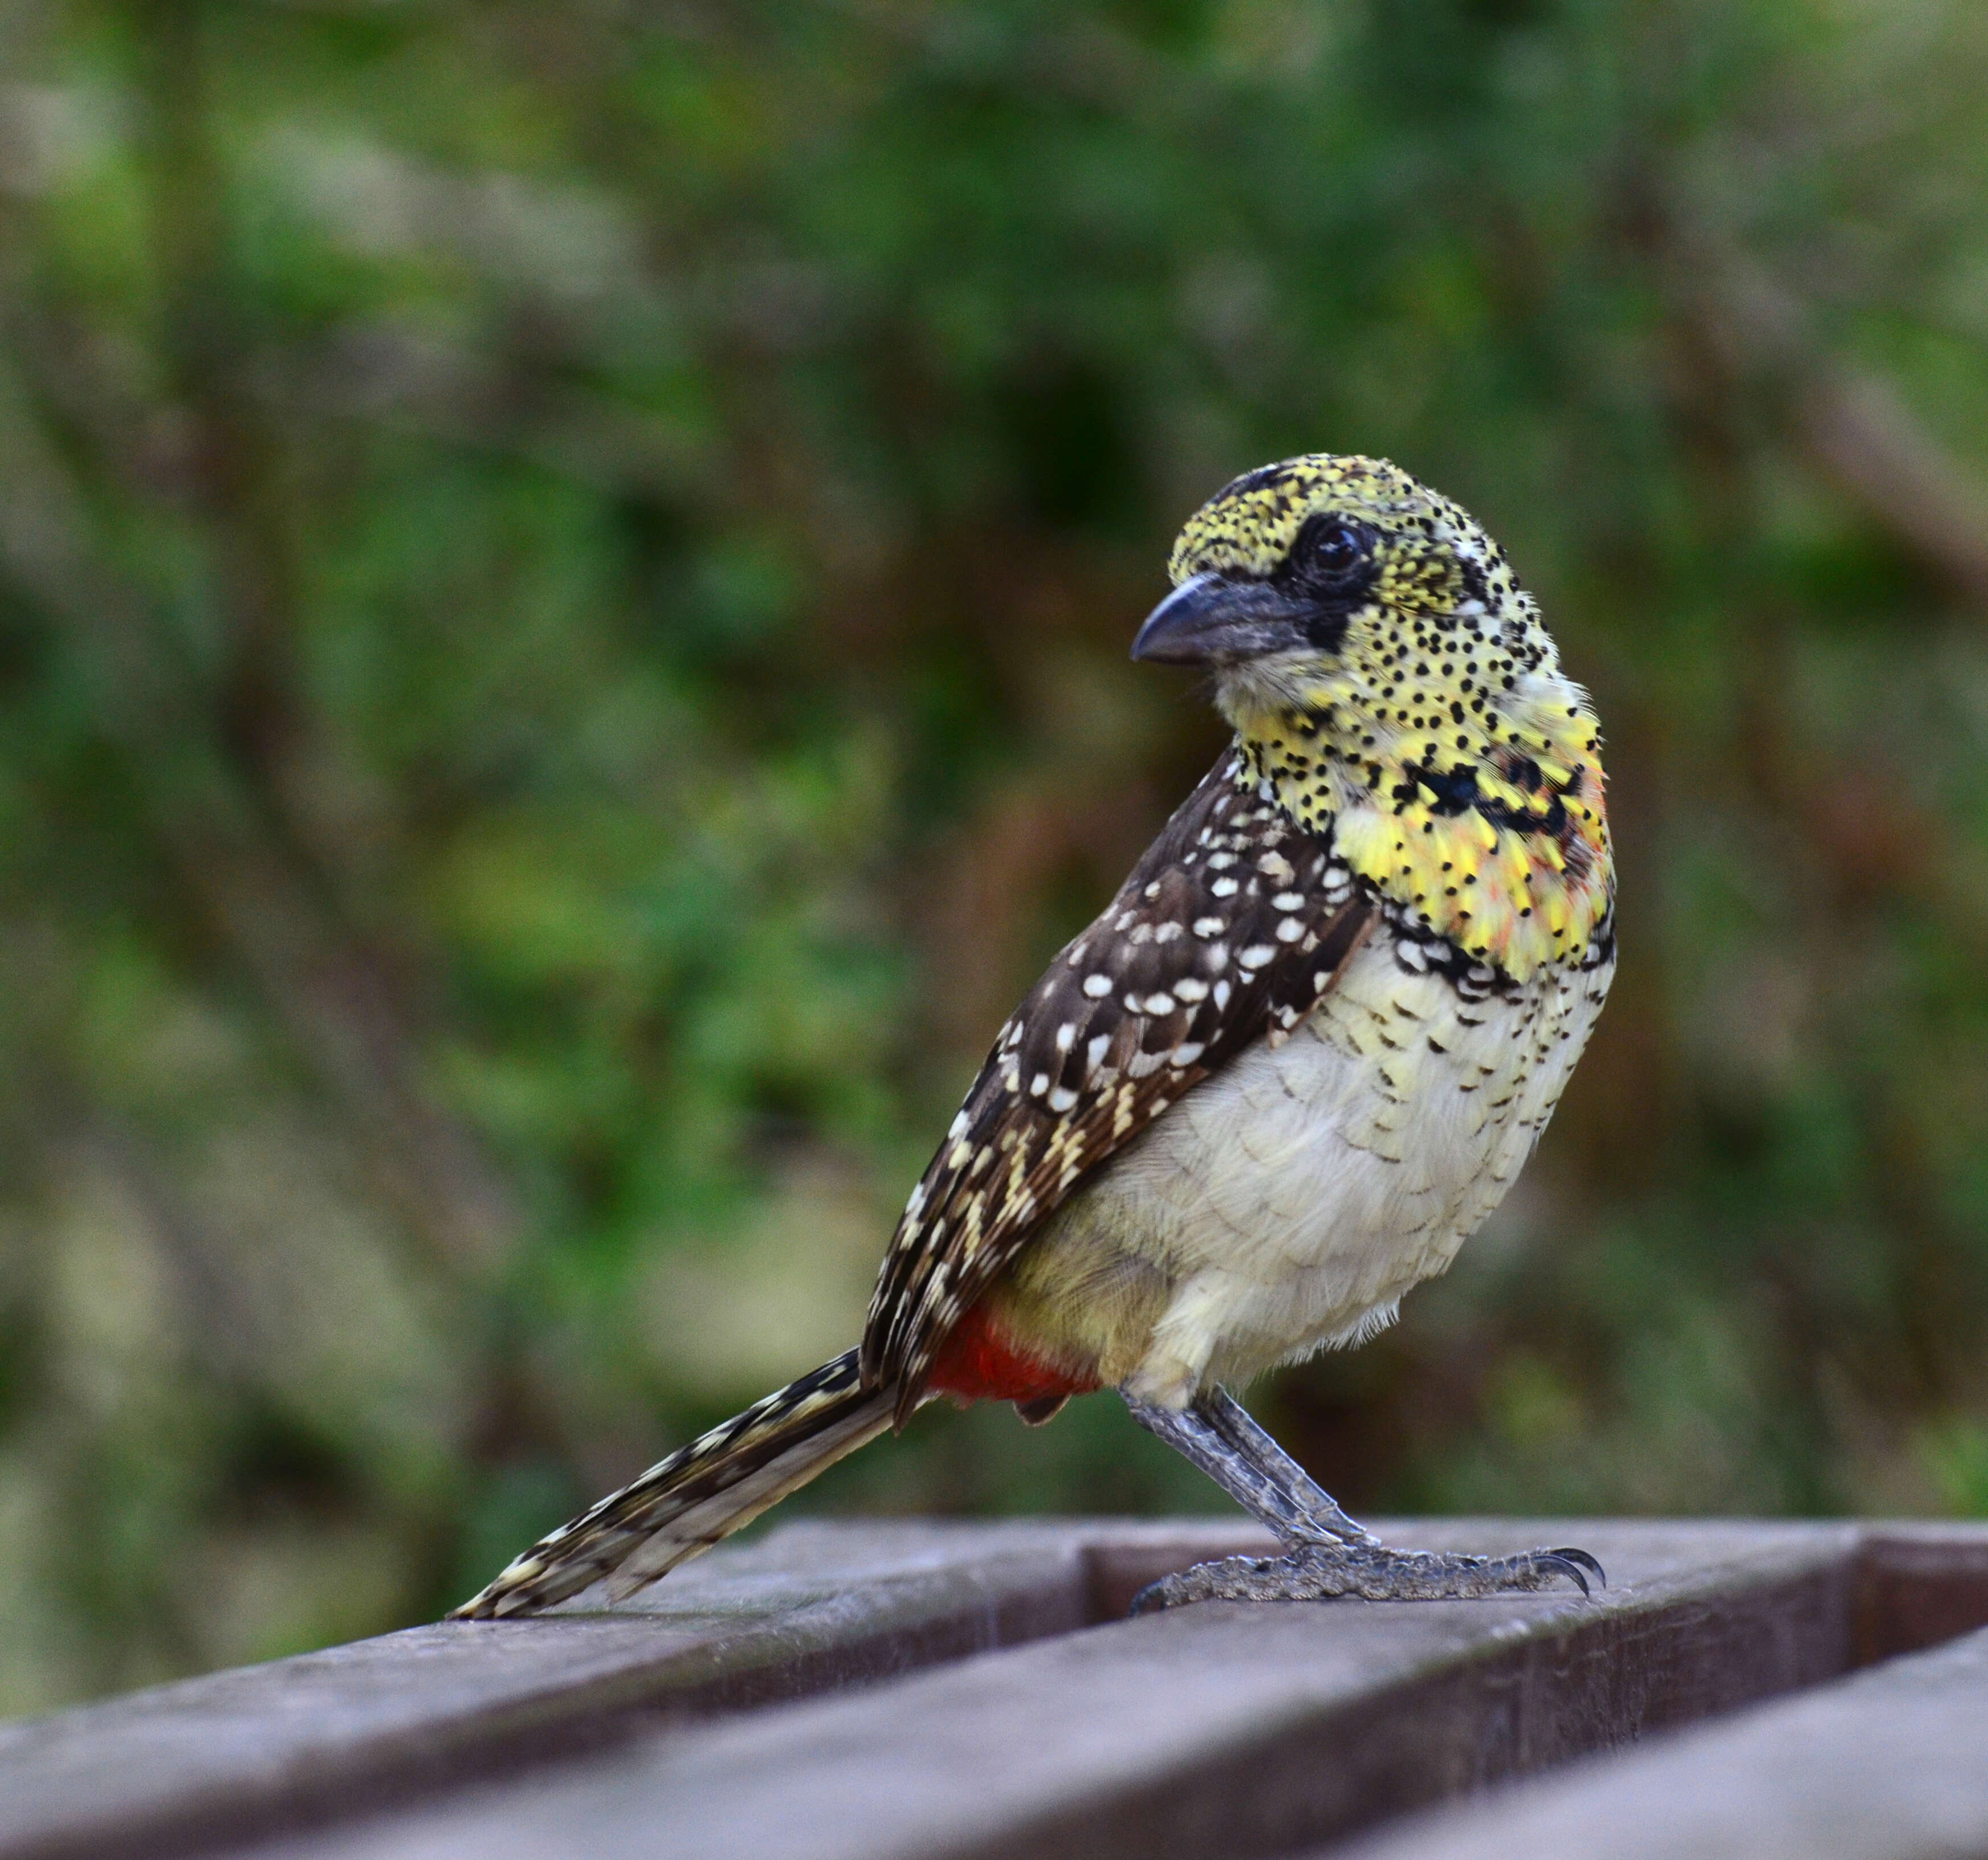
{"type": "Point", "coordinates": [1217, 618]}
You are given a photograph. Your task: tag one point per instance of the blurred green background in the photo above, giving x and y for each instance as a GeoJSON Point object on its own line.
{"type": "Point", "coordinates": [565, 573]}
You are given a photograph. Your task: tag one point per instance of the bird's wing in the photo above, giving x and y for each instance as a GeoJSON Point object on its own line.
{"type": "Point", "coordinates": [1229, 929]}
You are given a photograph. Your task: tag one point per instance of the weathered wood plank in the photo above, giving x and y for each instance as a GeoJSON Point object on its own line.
{"type": "Point", "coordinates": [177, 1767]}
{"type": "Point", "coordinates": [1917, 1585]}
{"type": "Point", "coordinates": [1891, 1763]}
{"type": "Point", "coordinates": [1218, 1731]}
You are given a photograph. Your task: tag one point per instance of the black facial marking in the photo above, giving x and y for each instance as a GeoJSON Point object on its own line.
{"type": "Point", "coordinates": [1331, 568]}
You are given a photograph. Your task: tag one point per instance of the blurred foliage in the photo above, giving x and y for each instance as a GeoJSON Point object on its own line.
{"type": "Point", "coordinates": [564, 575]}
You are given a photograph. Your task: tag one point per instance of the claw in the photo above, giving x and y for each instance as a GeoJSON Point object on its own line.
{"type": "Point", "coordinates": [1587, 1562]}
{"type": "Point", "coordinates": [1553, 1560]}
{"type": "Point", "coordinates": [1168, 1592]}
{"type": "Point", "coordinates": [1172, 1591]}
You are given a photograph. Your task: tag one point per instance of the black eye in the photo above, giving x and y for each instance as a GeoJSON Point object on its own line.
{"type": "Point", "coordinates": [1336, 552]}
{"type": "Point", "coordinates": [1331, 563]}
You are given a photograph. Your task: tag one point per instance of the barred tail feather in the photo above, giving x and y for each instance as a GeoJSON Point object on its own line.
{"type": "Point", "coordinates": [700, 1494]}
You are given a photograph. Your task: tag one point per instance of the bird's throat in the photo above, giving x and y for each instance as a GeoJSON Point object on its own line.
{"type": "Point", "coordinates": [1499, 846]}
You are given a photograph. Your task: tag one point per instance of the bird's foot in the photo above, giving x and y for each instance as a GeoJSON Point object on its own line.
{"type": "Point", "coordinates": [1317, 1572]}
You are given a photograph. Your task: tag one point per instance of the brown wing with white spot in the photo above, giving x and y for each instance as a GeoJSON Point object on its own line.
{"type": "Point", "coordinates": [1230, 928]}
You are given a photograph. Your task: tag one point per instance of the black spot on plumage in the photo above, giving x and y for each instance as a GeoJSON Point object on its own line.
{"type": "Point", "coordinates": [1455, 789]}
{"type": "Point", "coordinates": [1265, 478]}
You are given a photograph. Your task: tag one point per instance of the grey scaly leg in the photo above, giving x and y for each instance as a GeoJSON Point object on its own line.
{"type": "Point", "coordinates": [1239, 1428]}
{"type": "Point", "coordinates": [1217, 1435]}
{"type": "Point", "coordinates": [1326, 1554]}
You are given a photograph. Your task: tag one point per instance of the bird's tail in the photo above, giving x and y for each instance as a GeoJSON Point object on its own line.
{"type": "Point", "coordinates": [699, 1495]}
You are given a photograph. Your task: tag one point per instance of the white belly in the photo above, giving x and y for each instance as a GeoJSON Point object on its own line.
{"type": "Point", "coordinates": [1294, 1197]}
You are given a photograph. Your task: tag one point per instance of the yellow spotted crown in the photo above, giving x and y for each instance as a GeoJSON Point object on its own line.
{"type": "Point", "coordinates": [1438, 741]}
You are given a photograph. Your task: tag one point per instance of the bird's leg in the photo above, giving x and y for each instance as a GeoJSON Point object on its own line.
{"type": "Point", "coordinates": [1320, 1510]}
{"type": "Point", "coordinates": [1215, 1434]}
{"type": "Point", "coordinates": [1326, 1553]}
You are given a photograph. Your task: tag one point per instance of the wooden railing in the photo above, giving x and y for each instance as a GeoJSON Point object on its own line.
{"type": "Point", "coordinates": [846, 1692]}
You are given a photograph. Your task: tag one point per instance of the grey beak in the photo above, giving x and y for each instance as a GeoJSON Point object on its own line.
{"type": "Point", "coordinates": [1218, 619]}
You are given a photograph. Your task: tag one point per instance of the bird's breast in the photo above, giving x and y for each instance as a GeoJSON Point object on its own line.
{"type": "Point", "coordinates": [1307, 1185]}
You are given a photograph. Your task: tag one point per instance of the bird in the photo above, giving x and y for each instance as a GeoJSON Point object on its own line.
{"type": "Point", "coordinates": [1298, 1058]}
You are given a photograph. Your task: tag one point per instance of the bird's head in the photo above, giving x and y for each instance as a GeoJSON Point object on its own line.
{"type": "Point", "coordinates": [1390, 682]}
